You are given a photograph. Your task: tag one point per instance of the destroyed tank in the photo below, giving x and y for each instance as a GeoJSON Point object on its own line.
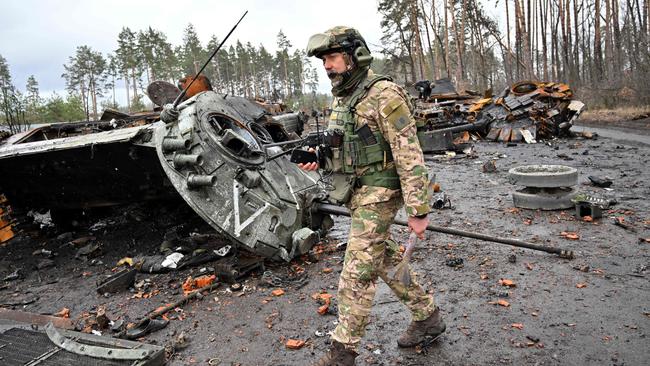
{"type": "Point", "coordinates": [214, 157]}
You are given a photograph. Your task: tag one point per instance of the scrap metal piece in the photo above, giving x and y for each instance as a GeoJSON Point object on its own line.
{"type": "Point", "coordinates": [35, 319]}
{"type": "Point", "coordinates": [543, 176]}
{"type": "Point", "coordinates": [544, 198]}
{"type": "Point", "coordinates": [162, 92]}
{"type": "Point", "coordinates": [238, 267]}
{"type": "Point", "coordinates": [119, 281]}
{"type": "Point", "coordinates": [587, 205]}
{"type": "Point", "coordinates": [121, 350]}
{"type": "Point", "coordinates": [6, 223]}
{"type": "Point", "coordinates": [436, 141]}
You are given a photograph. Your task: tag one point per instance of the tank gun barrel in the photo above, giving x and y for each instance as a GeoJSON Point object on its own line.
{"type": "Point", "coordinates": [182, 94]}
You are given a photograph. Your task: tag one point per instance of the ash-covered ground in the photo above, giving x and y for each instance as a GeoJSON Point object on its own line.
{"type": "Point", "coordinates": [592, 310]}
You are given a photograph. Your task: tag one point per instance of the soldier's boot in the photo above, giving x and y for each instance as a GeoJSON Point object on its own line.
{"type": "Point", "coordinates": [427, 330]}
{"type": "Point", "coordinates": [337, 355]}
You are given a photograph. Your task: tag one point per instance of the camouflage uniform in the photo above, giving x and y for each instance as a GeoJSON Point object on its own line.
{"type": "Point", "coordinates": [370, 252]}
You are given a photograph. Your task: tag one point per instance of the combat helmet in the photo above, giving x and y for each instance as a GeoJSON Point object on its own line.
{"type": "Point", "coordinates": [340, 39]}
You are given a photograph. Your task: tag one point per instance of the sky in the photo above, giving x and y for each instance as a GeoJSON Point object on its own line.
{"type": "Point", "coordinates": [38, 37]}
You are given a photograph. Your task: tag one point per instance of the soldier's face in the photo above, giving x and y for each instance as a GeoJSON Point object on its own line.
{"type": "Point", "coordinates": [334, 63]}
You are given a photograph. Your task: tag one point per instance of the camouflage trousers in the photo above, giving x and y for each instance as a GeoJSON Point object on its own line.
{"type": "Point", "coordinates": [371, 254]}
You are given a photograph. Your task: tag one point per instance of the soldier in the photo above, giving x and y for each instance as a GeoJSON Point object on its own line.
{"type": "Point", "coordinates": [376, 165]}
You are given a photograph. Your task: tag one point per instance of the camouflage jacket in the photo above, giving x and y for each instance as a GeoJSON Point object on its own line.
{"type": "Point", "coordinates": [386, 108]}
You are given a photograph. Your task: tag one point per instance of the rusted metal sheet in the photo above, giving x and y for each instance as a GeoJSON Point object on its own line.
{"type": "Point", "coordinates": [35, 319]}
{"type": "Point", "coordinates": [6, 228]}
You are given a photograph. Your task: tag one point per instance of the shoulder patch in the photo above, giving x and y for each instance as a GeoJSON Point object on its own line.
{"type": "Point", "coordinates": [390, 106]}
{"type": "Point", "coordinates": [402, 122]}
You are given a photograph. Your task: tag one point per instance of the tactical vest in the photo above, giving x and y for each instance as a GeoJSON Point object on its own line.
{"type": "Point", "coordinates": [353, 153]}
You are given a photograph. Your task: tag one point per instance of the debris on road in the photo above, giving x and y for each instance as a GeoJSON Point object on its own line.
{"type": "Point", "coordinates": [570, 235]}
{"type": "Point", "coordinates": [600, 182]}
{"type": "Point", "coordinates": [489, 166]}
{"type": "Point", "coordinates": [295, 344]}
{"type": "Point", "coordinates": [277, 292]}
{"type": "Point", "coordinates": [507, 283]}
{"type": "Point", "coordinates": [63, 313]}
{"type": "Point", "coordinates": [118, 281]}
{"type": "Point", "coordinates": [193, 284]}
{"type": "Point", "coordinates": [620, 221]}
{"type": "Point", "coordinates": [547, 187]}
{"type": "Point", "coordinates": [454, 262]}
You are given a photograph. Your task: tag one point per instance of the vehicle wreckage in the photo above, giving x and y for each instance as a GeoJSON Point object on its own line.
{"type": "Point", "coordinates": [526, 111]}
{"type": "Point", "coordinates": [213, 157]}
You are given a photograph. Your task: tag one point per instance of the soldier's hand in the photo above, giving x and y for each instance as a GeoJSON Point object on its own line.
{"type": "Point", "coordinates": [309, 166]}
{"type": "Point", "coordinates": [418, 225]}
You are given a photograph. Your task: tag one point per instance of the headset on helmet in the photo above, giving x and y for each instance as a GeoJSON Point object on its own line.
{"type": "Point", "coordinates": [336, 39]}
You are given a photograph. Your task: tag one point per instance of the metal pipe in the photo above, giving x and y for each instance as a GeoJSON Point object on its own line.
{"type": "Point", "coordinates": [198, 180]}
{"type": "Point", "coordinates": [282, 143]}
{"type": "Point", "coordinates": [173, 144]}
{"type": "Point", "coordinates": [568, 254]}
{"type": "Point", "coordinates": [461, 128]}
{"type": "Point", "coordinates": [181, 160]}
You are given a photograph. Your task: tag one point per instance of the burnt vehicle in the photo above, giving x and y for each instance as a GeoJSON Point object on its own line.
{"type": "Point", "coordinates": [213, 157]}
{"type": "Point", "coordinates": [526, 111]}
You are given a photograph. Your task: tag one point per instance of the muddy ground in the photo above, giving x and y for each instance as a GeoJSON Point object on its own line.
{"type": "Point", "coordinates": [592, 310]}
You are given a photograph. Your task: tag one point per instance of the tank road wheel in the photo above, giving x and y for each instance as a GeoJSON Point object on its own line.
{"type": "Point", "coordinates": [544, 198]}
{"type": "Point", "coordinates": [543, 176]}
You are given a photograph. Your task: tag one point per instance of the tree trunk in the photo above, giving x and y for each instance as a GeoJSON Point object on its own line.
{"type": "Point", "coordinates": [113, 88]}
{"type": "Point", "coordinates": [135, 84]}
{"type": "Point", "coordinates": [507, 60]}
{"type": "Point", "coordinates": [544, 16]}
{"type": "Point", "coordinates": [524, 48]}
{"type": "Point", "coordinates": [447, 39]}
{"type": "Point", "coordinates": [576, 43]}
{"type": "Point", "coordinates": [598, 57]}
{"type": "Point", "coordinates": [128, 97]}
{"type": "Point", "coordinates": [562, 40]}
{"type": "Point", "coordinates": [419, 53]}
{"type": "Point", "coordinates": [93, 92]}
{"type": "Point", "coordinates": [434, 69]}
{"type": "Point", "coordinates": [459, 54]}
{"type": "Point", "coordinates": [609, 47]}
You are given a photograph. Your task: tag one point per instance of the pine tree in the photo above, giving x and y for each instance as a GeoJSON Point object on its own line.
{"type": "Point", "coordinates": [85, 74]}
{"type": "Point", "coordinates": [33, 99]}
{"type": "Point", "coordinates": [282, 56]}
{"type": "Point", "coordinates": [191, 54]}
{"type": "Point", "coordinates": [127, 61]}
{"type": "Point", "coordinates": [12, 102]}
{"type": "Point", "coordinates": [112, 74]}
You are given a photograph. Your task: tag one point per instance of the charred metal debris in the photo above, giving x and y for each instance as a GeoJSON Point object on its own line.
{"type": "Point", "coordinates": [213, 157]}
{"type": "Point", "coordinates": [525, 112]}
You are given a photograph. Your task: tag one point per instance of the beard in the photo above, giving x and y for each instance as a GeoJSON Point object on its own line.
{"type": "Point", "coordinates": [335, 78]}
